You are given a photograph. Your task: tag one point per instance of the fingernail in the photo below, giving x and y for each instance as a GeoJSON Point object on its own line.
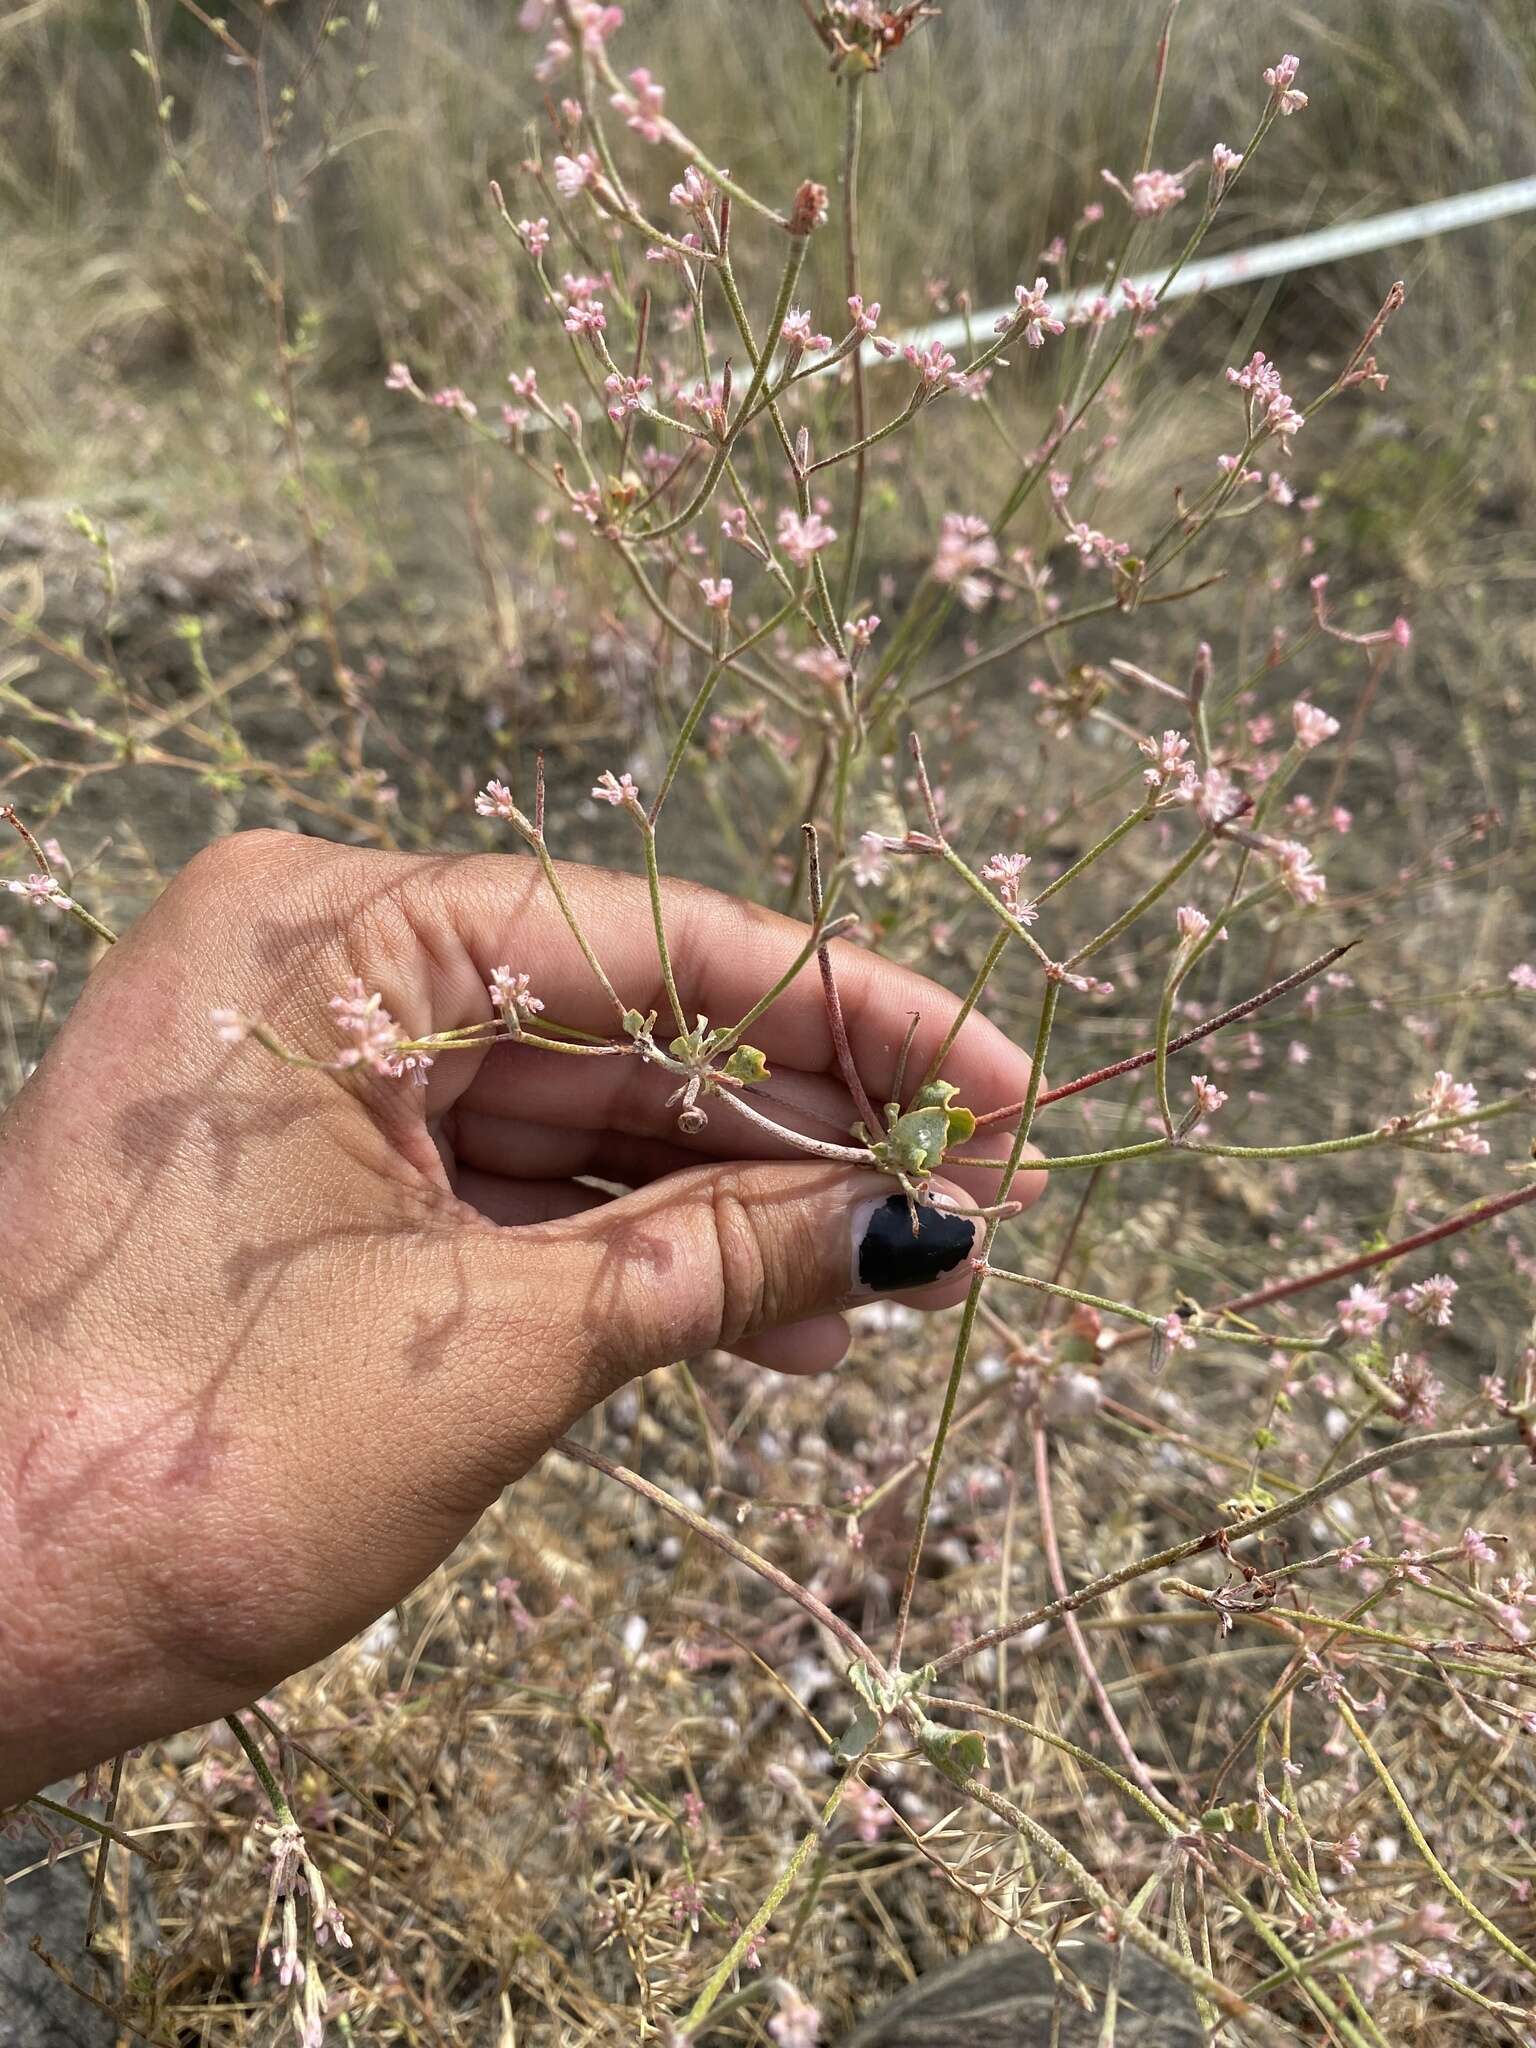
{"type": "Point", "coordinates": [889, 1256]}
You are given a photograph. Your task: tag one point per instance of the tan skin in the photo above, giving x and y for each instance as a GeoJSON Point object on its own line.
{"type": "Point", "coordinates": [270, 1340]}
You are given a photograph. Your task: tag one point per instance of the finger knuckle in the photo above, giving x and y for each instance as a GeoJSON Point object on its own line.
{"type": "Point", "coordinates": [745, 1282]}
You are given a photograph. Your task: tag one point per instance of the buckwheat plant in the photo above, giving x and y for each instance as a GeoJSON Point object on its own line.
{"type": "Point", "coordinates": [721, 414]}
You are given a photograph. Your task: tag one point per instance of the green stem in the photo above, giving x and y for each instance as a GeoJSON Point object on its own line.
{"type": "Point", "coordinates": [968, 1318]}
{"type": "Point", "coordinates": [706, 691]}
{"type": "Point", "coordinates": [1405, 1814]}
{"type": "Point", "coordinates": [973, 996]}
{"type": "Point", "coordinates": [275, 1795]}
{"type": "Point", "coordinates": [1143, 903]}
{"type": "Point", "coordinates": [663, 951]}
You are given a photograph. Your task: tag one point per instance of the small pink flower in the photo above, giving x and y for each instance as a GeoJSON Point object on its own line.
{"type": "Point", "coordinates": [717, 595]}
{"type": "Point", "coordinates": [1363, 1311]}
{"type": "Point", "coordinates": [572, 173]}
{"type": "Point", "coordinates": [1313, 725]}
{"type": "Point", "coordinates": [1173, 1335]}
{"type": "Point", "coordinates": [1217, 797]}
{"type": "Point", "coordinates": [687, 1905]}
{"type": "Point", "coordinates": [870, 867]}
{"type": "Point", "coordinates": [797, 2024]}
{"type": "Point", "coordinates": [1208, 1096]}
{"type": "Point", "coordinates": [399, 378]}
{"type": "Point", "coordinates": [1085, 984]}
{"type": "Point", "coordinates": [935, 365]}
{"type": "Point", "coordinates": [798, 333]}
{"type": "Point", "coordinates": [1150, 193]}
{"type": "Point", "coordinates": [534, 235]}
{"type": "Point", "coordinates": [1281, 78]}
{"type": "Point", "coordinates": [825, 664]}
{"type": "Point", "coordinates": [615, 789]}
{"type": "Point", "coordinates": [733, 524]}
{"type": "Point", "coordinates": [1432, 1922]}
{"type": "Point", "coordinates": [229, 1027]}
{"type": "Point", "coordinates": [871, 1815]}
{"type": "Point", "coordinates": [452, 399]}
{"type": "Point", "coordinates": [1007, 871]}
{"type": "Point", "coordinates": [509, 991]}
{"type": "Point", "coordinates": [495, 801]}
{"type": "Point", "coordinates": [693, 192]}
{"type": "Point", "coordinates": [1171, 777]}
{"type": "Point", "coordinates": [1225, 164]}
{"type": "Point", "coordinates": [865, 318]}
{"type": "Point", "coordinates": [1445, 1097]}
{"type": "Point", "coordinates": [809, 210]}
{"type": "Point", "coordinates": [1192, 923]}
{"type": "Point", "coordinates": [625, 394]}
{"type": "Point", "coordinates": [1430, 1300]}
{"type": "Point", "coordinates": [803, 538]}
{"type": "Point", "coordinates": [361, 1016]}
{"type": "Point", "coordinates": [641, 105]}
{"type": "Point", "coordinates": [1523, 977]}
{"type": "Point", "coordinates": [1352, 1556]}
{"type": "Point", "coordinates": [586, 317]}
{"type": "Point", "coordinates": [1476, 1548]}
{"type": "Point", "coordinates": [1303, 879]}
{"type": "Point", "coordinates": [966, 547]}
{"type": "Point", "coordinates": [39, 889]}
{"type": "Point", "coordinates": [1032, 314]}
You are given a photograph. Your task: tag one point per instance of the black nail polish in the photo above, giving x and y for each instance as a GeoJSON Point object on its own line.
{"type": "Point", "coordinates": [891, 1257]}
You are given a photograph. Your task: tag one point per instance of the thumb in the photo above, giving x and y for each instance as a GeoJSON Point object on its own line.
{"type": "Point", "coordinates": [721, 1255]}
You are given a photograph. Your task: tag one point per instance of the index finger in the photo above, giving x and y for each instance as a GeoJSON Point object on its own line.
{"type": "Point", "coordinates": [726, 954]}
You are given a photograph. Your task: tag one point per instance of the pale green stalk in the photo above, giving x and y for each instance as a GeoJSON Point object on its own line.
{"type": "Point", "coordinates": [968, 1318]}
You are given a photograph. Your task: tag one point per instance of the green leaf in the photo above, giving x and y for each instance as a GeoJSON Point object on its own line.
{"type": "Point", "coordinates": [746, 1064]}
{"type": "Point", "coordinates": [958, 1752]}
{"type": "Point", "coordinates": [864, 1686]}
{"type": "Point", "coordinates": [857, 1736]}
{"type": "Point", "coordinates": [917, 1140]}
{"type": "Point", "coordinates": [960, 1123]}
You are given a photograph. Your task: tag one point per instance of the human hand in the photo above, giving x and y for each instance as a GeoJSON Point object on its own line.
{"type": "Point", "coordinates": [270, 1341]}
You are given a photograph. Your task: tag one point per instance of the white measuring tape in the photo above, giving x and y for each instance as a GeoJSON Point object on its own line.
{"type": "Point", "coordinates": [1271, 259]}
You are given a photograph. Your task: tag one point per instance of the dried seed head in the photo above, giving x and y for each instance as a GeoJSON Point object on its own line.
{"type": "Point", "coordinates": [809, 211]}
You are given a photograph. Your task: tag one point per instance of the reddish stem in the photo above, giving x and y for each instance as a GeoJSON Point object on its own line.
{"type": "Point", "coordinates": [1205, 1030]}
{"type": "Point", "coordinates": [1280, 1290]}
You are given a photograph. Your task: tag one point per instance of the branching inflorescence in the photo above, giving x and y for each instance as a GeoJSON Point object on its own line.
{"type": "Point", "coordinates": [713, 435]}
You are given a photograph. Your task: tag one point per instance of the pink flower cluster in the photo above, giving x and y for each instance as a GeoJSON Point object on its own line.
{"type": "Point", "coordinates": [966, 548]}
{"type": "Point", "coordinates": [377, 1039]}
{"type": "Point", "coordinates": [1032, 314]}
{"type": "Point", "coordinates": [801, 538]}
{"type": "Point", "coordinates": [1007, 871]}
{"type": "Point", "coordinates": [1171, 777]}
{"type": "Point", "coordinates": [1150, 192]}
{"type": "Point", "coordinates": [1270, 408]}
{"type": "Point", "coordinates": [1281, 80]}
